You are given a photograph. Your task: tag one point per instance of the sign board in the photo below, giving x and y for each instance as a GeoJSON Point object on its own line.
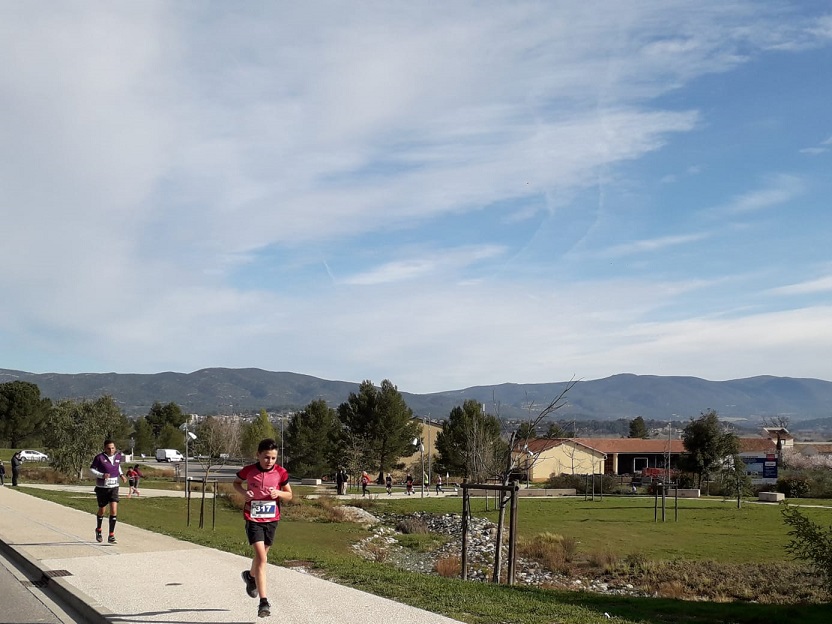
{"type": "Point", "coordinates": [761, 467]}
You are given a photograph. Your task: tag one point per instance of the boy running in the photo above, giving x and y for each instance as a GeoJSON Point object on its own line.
{"type": "Point", "coordinates": [106, 467]}
{"type": "Point", "coordinates": [266, 485]}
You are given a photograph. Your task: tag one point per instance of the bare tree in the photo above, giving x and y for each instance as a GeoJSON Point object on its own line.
{"type": "Point", "coordinates": [217, 441]}
{"type": "Point", "coordinates": [519, 452]}
{"type": "Point", "coordinates": [355, 453]}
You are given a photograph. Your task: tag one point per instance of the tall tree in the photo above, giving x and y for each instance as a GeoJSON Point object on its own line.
{"type": "Point", "coordinates": [312, 440]}
{"type": "Point", "coordinates": [555, 431]}
{"type": "Point", "coordinates": [161, 415]}
{"type": "Point", "coordinates": [22, 412]}
{"type": "Point", "coordinates": [382, 418]}
{"type": "Point", "coordinates": [526, 431]}
{"type": "Point", "coordinates": [470, 444]}
{"type": "Point", "coordinates": [76, 431]}
{"type": "Point", "coordinates": [171, 437]}
{"type": "Point", "coordinates": [143, 440]}
{"type": "Point", "coordinates": [707, 444]}
{"type": "Point", "coordinates": [258, 429]}
{"type": "Point", "coordinates": [638, 428]}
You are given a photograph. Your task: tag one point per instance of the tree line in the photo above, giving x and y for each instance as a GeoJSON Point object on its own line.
{"type": "Point", "coordinates": [372, 430]}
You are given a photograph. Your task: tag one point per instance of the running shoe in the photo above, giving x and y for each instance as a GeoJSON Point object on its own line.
{"type": "Point", "coordinates": [264, 610]}
{"type": "Point", "coordinates": [98, 537]}
{"type": "Point", "coordinates": [111, 539]}
{"type": "Point", "coordinates": [251, 584]}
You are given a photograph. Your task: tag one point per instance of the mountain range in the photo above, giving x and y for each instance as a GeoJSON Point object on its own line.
{"type": "Point", "coordinates": [223, 390]}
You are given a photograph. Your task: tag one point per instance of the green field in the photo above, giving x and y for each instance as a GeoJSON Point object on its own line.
{"type": "Point", "coordinates": [706, 530]}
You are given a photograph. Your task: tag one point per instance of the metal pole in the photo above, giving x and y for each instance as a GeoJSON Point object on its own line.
{"type": "Point", "coordinates": [676, 503]}
{"type": "Point", "coordinates": [186, 453]}
{"type": "Point", "coordinates": [422, 457]}
{"type": "Point", "coordinates": [430, 463]}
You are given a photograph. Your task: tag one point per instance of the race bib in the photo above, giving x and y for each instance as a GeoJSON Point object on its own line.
{"type": "Point", "coordinates": [262, 509]}
{"type": "Point", "coordinates": [111, 482]}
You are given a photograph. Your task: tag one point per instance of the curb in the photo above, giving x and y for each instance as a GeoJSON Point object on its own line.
{"type": "Point", "coordinates": [72, 597]}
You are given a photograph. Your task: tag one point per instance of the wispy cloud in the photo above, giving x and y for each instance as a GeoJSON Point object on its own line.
{"type": "Point", "coordinates": [444, 263]}
{"type": "Point", "coordinates": [778, 190]}
{"type": "Point", "coordinates": [818, 285]}
{"type": "Point", "coordinates": [656, 244]}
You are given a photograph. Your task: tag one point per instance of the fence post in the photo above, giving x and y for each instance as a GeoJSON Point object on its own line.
{"type": "Point", "coordinates": [466, 508]}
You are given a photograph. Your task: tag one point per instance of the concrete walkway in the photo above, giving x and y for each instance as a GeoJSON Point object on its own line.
{"type": "Point", "coordinates": [178, 581]}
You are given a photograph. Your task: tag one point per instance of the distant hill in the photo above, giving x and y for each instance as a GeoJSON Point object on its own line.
{"type": "Point", "coordinates": [224, 390]}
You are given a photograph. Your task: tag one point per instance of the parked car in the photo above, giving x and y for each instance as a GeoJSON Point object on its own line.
{"type": "Point", "coordinates": [169, 455]}
{"type": "Point", "coordinates": [28, 455]}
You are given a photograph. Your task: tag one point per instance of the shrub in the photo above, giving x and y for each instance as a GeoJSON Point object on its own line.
{"type": "Point", "coordinates": [412, 525]}
{"type": "Point", "coordinates": [583, 484]}
{"type": "Point", "coordinates": [817, 480]}
{"type": "Point", "coordinates": [450, 566]}
{"type": "Point", "coordinates": [793, 486]}
{"type": "Point", "coordinates": [604, 559]}
{"type": "Point", "coordinates": [549, 549]}
{"type": "Point", "coordinates": [687, 481]}
{"type": "Point", "coordinates": [636, 561]}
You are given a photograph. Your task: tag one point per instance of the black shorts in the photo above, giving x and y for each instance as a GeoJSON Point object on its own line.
{"type": "Point", "coordinates": [105, 496]}
{"type": "Point", "coordinates": [260, 532]}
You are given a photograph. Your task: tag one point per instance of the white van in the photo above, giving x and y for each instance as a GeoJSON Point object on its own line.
{"type": "Point", "coordinates": [169, 455]}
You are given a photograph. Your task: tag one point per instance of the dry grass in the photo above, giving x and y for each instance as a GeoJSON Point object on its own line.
{"type": "Point", "coordinates": [552, 551]}
{"type": "Point", "coordinates": [412, 526]}
{"type": "Point", "coordinates": [605, 559]}
{"type": "Point", "coordinates": [780, 583]}
{"type": "Point", "coordinates": [377, 552]}
{"type": "Point", "coordinates": [449, 567]}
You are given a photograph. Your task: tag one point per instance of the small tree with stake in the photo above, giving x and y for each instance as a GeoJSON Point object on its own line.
{"type": "Point", "coordinates": [516, 454]}
{"type": "Point", "coordinates": [810, 542]}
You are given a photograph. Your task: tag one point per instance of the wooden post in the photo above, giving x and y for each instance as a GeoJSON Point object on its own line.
{"type": "Point", "coordinates": [512, 533]}
{"type": "Point", "coordinates": [466, 510]}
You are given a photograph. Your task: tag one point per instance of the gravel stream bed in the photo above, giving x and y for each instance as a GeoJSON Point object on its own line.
{"type": "Point", "coordinates": [382, 545]}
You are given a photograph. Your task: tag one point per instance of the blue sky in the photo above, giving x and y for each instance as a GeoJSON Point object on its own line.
{"type": "Point", "coordinates": [441, 194]}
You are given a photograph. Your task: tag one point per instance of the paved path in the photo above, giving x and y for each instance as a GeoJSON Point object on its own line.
{"type": "Point", "coordinates": [179, 581]}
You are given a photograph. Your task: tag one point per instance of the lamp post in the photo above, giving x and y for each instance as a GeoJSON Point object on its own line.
{"type": "Point", "coordinates": [188, 437]}
{"type": "Point", "coordinates": [282, 455]}
{"type": "Point", "coordinates": [529, 456]}
{"type": "Point", "coordinates": [418, 443]}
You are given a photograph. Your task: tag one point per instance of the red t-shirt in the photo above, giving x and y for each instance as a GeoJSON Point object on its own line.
{"type": "Point", "coordinates": [262, 507]}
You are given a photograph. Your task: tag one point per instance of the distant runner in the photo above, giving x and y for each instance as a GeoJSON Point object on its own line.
{"type": "Point", "coordinates": [266, 485]}
{"type": "Point", "coordinates": [106, 467]}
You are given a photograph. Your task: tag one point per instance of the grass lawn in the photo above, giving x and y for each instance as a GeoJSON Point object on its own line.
{"type": "Point", "coordinates": [707, 529]}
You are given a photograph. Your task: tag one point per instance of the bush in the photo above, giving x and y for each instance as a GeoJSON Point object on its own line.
{"type": "Point", "coordinates": [793, 486]}
{"type": "Point", "coordinates": [817, 480]}
{"type": "Point", "coordinates": [583, 484]}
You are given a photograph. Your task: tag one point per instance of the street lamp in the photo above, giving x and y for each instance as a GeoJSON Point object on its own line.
{"type": "Point", "coordinates": [189, 435]}
{"type": "Point", "coordinates": [529, 455]}
{"type": "Point", "coordinates": [418, 443]}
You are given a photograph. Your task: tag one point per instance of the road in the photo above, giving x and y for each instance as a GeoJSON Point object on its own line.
{"type": "Point", "coordinates": [25, 603]}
